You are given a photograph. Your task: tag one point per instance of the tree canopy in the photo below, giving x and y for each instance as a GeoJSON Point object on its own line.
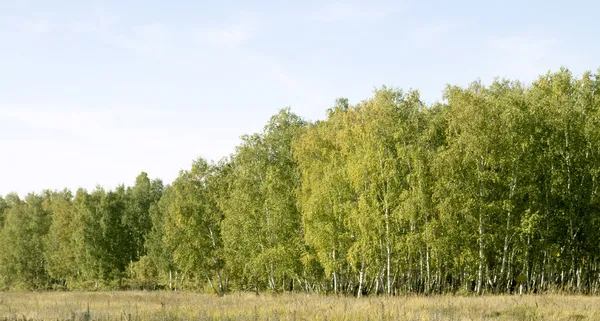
{"type": "Point", "coordinates": [493, 187]}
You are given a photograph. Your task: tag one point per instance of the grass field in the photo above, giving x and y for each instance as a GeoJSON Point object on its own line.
{"type": "Point", "coordinates": [193, 306]}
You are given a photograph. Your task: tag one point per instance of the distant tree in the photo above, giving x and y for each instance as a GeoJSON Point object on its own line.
{"type": "Point", "coordinates": [159, 253]}
{"type": "Point", "coordinates": [3, 207]}
{"type": "Point", "coordinates": [60, 241]}
{"type": "Point", "coordinates": [22, 263]}
{"type": "Point", "coordinates": [262, 227]}
{"type": "Point", "coordinates": [492, 188]}
{"type": "Point", "coordinates": [136, 216]}
{"type": "Point", "coordinates": [192, 225]}
{"type": "Point", "coordinates": [325, 196]}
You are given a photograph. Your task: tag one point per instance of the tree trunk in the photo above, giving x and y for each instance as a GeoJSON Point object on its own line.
{"type": "Point", "coordinates": [506, 236]}
{"type": "Point", "coordinates": [388, 250]}
{"type": "Point", "coordinates": [212, 286]}
{"type": "Point", "coordinates": [335, 279]}
{"type": "Point", "coordinates": [521, 288]}
{"type": "Point", "coordinates": [361, 278]}
{"type": "Point", "coordinates": [428, 283]}
{"type": "Point", "coordinates": [481, 245]}
{"type": "Point", "coordinates": [334, 283]}
{"type": "Point", "coordinates": [481, 257]}
{"type": "Point", "coordinates": [221, 289]}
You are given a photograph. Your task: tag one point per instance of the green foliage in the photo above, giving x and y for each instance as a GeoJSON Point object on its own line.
{"type": "Point", "coordinates": [494, 188]}
{"type": "Point", "coordinates": [59, 253]}
{"type": "Point", "coordinates": [143, 274]}
{"type": "Point", "coordinates": [22, 263]}
{"type": "Point", "coordinates": [3, 207]}
{"type": "Point", "coordinates": [192, 233]}
{"type": "Point", "coordinates": [136, 216]}
{"type": "Point", "coordinates": [262, 225]}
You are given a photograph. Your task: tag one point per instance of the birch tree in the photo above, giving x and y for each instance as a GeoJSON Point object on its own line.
{"type": "Point", "coordinates": [262, 226]}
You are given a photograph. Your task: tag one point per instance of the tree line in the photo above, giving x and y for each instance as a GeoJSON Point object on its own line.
{"type": "Point", "coordinates": [492, 188]}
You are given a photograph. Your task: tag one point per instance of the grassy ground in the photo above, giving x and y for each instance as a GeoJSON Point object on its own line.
{"type": "Point", "coordinates": [193, 306]}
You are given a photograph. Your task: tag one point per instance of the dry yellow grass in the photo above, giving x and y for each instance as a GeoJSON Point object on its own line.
{"type": "Point", "coordinates": [244, 306]}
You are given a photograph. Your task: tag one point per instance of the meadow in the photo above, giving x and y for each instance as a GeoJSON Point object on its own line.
{"type": "Point", "coordinates": [246, 306]}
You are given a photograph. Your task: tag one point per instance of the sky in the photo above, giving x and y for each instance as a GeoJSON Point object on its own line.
{"type": "Point", "coordinates": [95, 92]}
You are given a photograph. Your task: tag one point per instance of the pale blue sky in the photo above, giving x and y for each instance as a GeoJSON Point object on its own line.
{"type": "Point", "coordinates": [94, 92]}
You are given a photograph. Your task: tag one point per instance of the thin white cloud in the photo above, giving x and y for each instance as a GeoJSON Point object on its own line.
{"type": "Point", "coordinates": [152, 32]}
{"type": "Point", "coordinates": [49, 118]}
{"type": "Point", "coordinates": [31, 25]}
{"type": "Point", "coordinates": [523, 45]}
{"type": "Point", "coordinates": [345, 12]}
{"type": "Point", "coordinates": [431, 35]}
{"type": "Point", "coordinates": [524, 56]}
{"type": "Point", "coordinates": [150, 38]}
{"type": "Point", "coordinates": [57, 147]}
{"type": "Point", "coordinates": [184, 44]}
{"type": "Point", "coordinates": [233, 35]}
{"type": "Point", "coordinates": [99, 23]}
{"type": "Point", "coordinates": [306, 95]}
{"type": "Point", "coordinates": [153, 39]}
